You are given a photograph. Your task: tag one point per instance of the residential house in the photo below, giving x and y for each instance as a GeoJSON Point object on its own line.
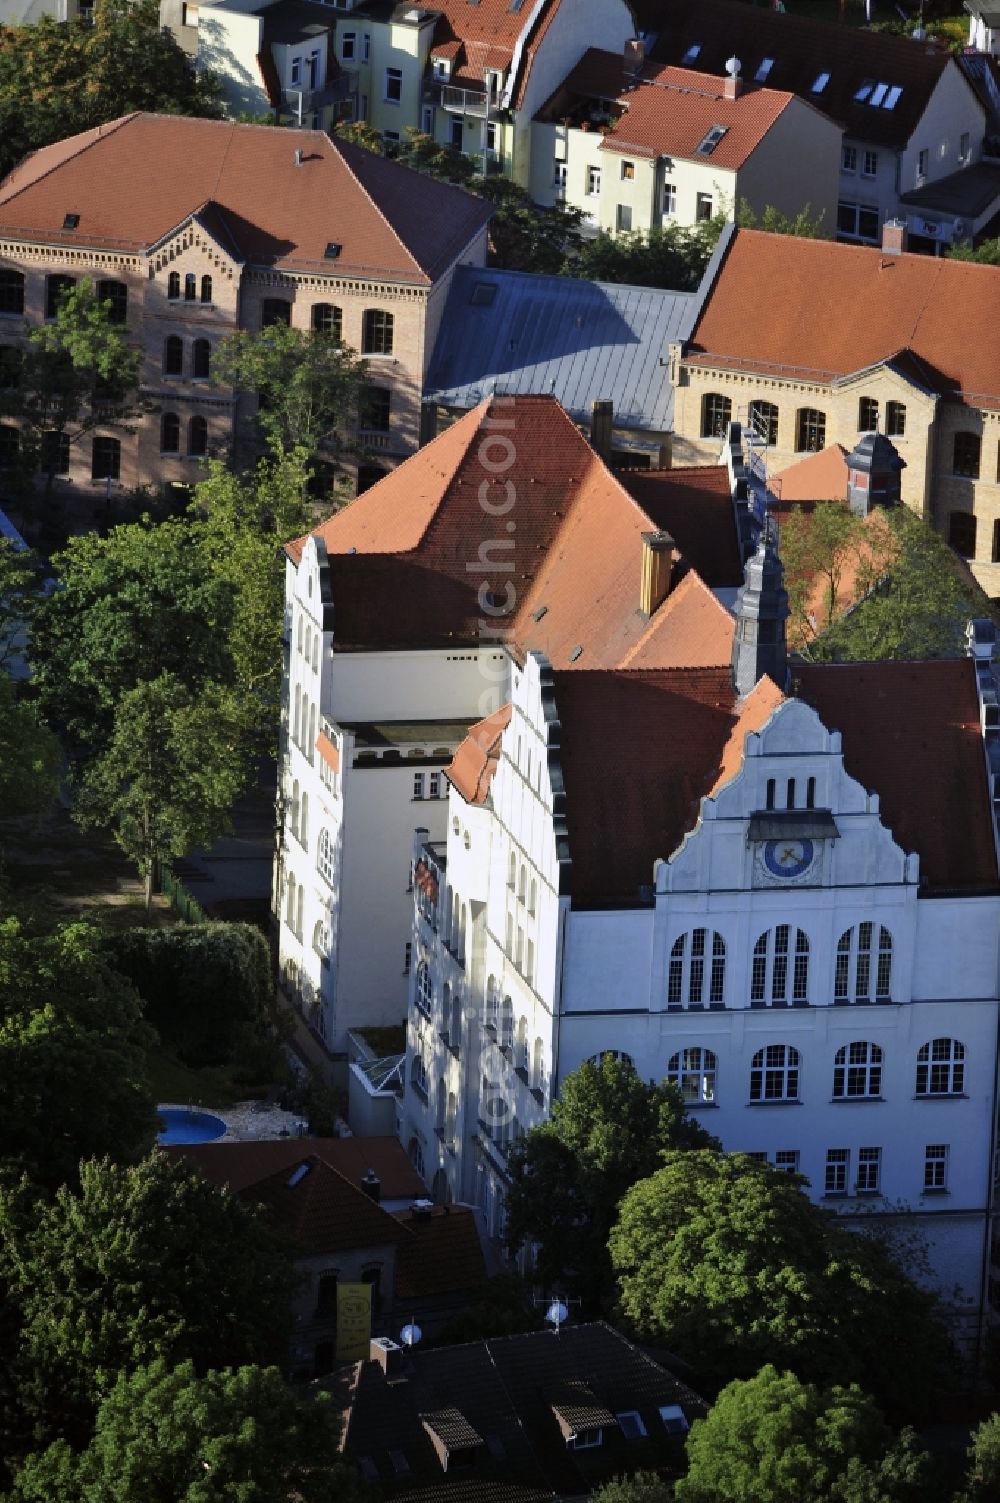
{"type": "Point", "coordinates": [749, 880]}
{"type": "Point", "coordinates": [984, 26]}
{"type": "Point", "coordinates": [641, 146]}
{"type": "Point", "coordinates": [516, 333]}
{"type": "Point", "coordinates": [910, 118]}
{"type": "Point", "coordinates": [272, 57]}
{"type": "Point", "coordinates": [239, 227]}
{"type": "Point", "coordinates": [505, 529]}
{"type": "Point", "coordinates": [515, 1419]}
{"type": "Point", "coordinates": [844, 340]}
{"type": "Point", "coordinates": [237, 1165]}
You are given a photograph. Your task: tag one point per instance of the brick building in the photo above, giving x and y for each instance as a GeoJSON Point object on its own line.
{"type": "Point", "coordinates": [194, 229]}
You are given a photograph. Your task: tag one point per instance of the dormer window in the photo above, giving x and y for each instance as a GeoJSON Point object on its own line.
{"type": "Point", "coordinates": [586, 1440]}
{"type": "Point", "coordinates": [764, 69]}
{"type": "Point", "coordinates": [710, 141]}
{"type": "Point", "coordinates": [631, 1425]}
{"type": "Point", "coordinates": [442, 68]}
{"type": "Point", "coordinates": [820, 83]}
{"type": "Point", "coordinates": [691, 54]}
{"type": "Point", "coordinates": [674, 1419]}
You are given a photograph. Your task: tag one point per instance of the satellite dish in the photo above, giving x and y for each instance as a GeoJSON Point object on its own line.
{"type": "Point", "coordinates": [410, 1335]}
{"type": "Point", "coordinates": [733, 66]}
{"type": "Point", "coordinates": [557, 1313]}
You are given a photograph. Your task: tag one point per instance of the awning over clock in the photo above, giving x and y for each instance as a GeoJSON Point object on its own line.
{"type": "Point", "coordinates": [793, 824]}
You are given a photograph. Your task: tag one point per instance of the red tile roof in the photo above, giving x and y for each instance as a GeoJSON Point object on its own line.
{"type": "Point", "coordinates": [390, 222]}
{"type": "Point", "coordinates": [241, 1164]}
{"type": "Point", "coordinates": [442, 1256]}
{"type": "Point", "coordinates": [754, 713]}
{"type": "Point", "coordinates": [911, 734]}
{"type": "Point", "coordinates": [485, 35]}
{"type": "Point", "coordinates": [692, 629]}
{"type": "Point", "coordinates": [694, 504]}
{"type": "Point", "coordinates": [825, 311]}
{"type": "Point", "coordinates": [514, 491]}
{"type": "Point", "coordinates": [321, 1211]}
{"type": "Point", "coordinates": [818, 477]}
{"type": "Point", "coordinates": [474, 763]}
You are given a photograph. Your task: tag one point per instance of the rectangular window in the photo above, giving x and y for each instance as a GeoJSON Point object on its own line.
{"type": "Point", "coordinates": [427, 120]}
{"type": "Point", "coordinates": [703, 208]}
{"type": "Point", "coordinates": [922, 159]}
{"type": "Point", "coordinates": [434, 790]}
{"type": "Point", "coordinates": [623, 217]}
{"type": "Point", "coordinates": [820, 83]}
{"type": "Point", "coordinates": [869, 1170]}
{"type": "Point", "coordinates": [366, 47]}
{"type": "Point", "coordinates": [837, 1163]}
{"type": "Point", "coordinates": [296, 72]}
{"type": "Point", "coordinates": [670, 199]}
{"type": "Point", "coordinates": [787, 1159]}
{"type": "Point", "coordinates": [849, 159]}
{"type": "Point", "coordinates": [375, 404]}
{"type": "Point", "coordinates": [936, 1166]}
{"type": "Point", "coordinates": [559, 176]}
{"type": "Point", "coordinates": [628, 172]}
{"type": "Point", "coordinates": [418, 785]}
{"type": "Point", "coordinates": [631, 1425]}
{"type": "Point", "coordinates": [106, 461]}
{"type": "Point", "coordinates": [456, 133]}
{"type": "Point", "coordinates": [348, 46]}
{"type": "Point", "coordinates": [393, 85]}
{"type": "Point", "coordinates": [869, 166]}
{"type": "Point", "coordinates": [189, 15]}
{"type": "Point", "coordinates": [593, 181]}
{"type": "Point", "coordinates": [966, 454]}
{"type": "Point", "coordinates": [964, 147]}
{"type": "Point", "coordinates": [407, 957]}
{"type": "Point", "coordinates": [491, 136]}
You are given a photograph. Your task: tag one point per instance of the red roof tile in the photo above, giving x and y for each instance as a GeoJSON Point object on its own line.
{"type": "Point", "coordinates": [241, 1164]}
{"type": "Point", "coordinates": [692, 629]}
{"type": "Point", "coordinates": [818, 477]}
{"type": "Point", "coordinates": [911, 734]}
{"type": "Point", "coordinates": [443, 1255]}
{"type": "Point", "coordinates": [388, 220]}
{"type": "Point", "coordinates": [694, 504]}
{"type": "Point", "coordinates": [321, 1211]}
{"type": "Point", "coordinates": [825, 311]}
{"type": "Point", "coordinates": [754, 713]}
{"type": "Point", "coordinates": [474, 763]}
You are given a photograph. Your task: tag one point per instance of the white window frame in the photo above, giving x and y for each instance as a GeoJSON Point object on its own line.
{"type": "Point", "coordinates": [933, 1063]}
{"type": "Point", "coordinates": [325, 856]}
{"type": "Point", "coordinates": [593, 182]}
{"type": "Point", "coordinates": [696, 957]}
{"type": "Point", "coordinates": [857, 1071]}
{"type": "Point", "coordinates": [694, 1072]}
{"type": "Point", "coordinates": [418, 785]}
{"type": "Point", "coordinates": [779, 967]}
{"type": "Point", "coordinates": [869, 164]}
{"type": "Point", "coordinates": [936, 1167]}
{"type": "Point", "coordinates": [396, 76]}
{"type": "Point", "coordinates": [348, 46]}
{"type": "Point", "coordinates": [779, 1073]}
{"type": "Point", "coordinates": [853, 965]}
{"type": "Point", "coordinates": [787, 1160]}
{"type": "Point", "coordinates": [838, 1165]}
{"type": "Point", "coordinates": [849, 159]}
{"type": "Point", "coordinates": [869, 1176]}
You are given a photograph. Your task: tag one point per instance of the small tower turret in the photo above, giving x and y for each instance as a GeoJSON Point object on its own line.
{"type": "Point", "coordinates": [874, 474]}
{"type": "Point", "coordinates": [761, 611]}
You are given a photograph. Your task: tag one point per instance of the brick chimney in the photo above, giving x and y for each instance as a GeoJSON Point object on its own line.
{"type": "Point", "coordinates": [602, 421]}
{"type": "Point", "coordinates": [633, 58]}
{"type": "Point", "coordinates": [894, 237]}
{"type": "Point", "coordinates": [733, 87]}
{"type": "Point", "coordinates": [657, 568]}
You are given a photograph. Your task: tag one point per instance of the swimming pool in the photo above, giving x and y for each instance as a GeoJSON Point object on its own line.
{"type": "Point", "coordinates": [185, 1125]}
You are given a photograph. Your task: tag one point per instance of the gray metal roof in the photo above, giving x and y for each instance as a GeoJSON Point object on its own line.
{"type": "Point", "coordinates": [576, 340]}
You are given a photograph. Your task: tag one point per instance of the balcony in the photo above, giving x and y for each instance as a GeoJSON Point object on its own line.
{"type": "Point", "coordinates": [301, 102]}
{"type": "Point", "coordinates": [459, 101]}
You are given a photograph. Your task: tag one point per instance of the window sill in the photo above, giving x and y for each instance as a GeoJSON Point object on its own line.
{"type": "Point", "coordinates": [784, 1101]}
{"type": "Point", "coordinates": [691, 1106]}
{"type": "Point", "coordinates": [931, 1190]}
{"type": "Point", "coordinates": [867, 1194]}
{"type": "Point", "coordinates": [854, 1100]}
{"type": "Point", "coordinates": [942, 1096]}
{"type": "Point", "coordinates": [835, 1195]}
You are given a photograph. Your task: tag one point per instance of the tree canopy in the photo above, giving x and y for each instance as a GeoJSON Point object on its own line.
{"type": "Point", "coordinates": [608, 1128]}
{"type": "Point", "coordinates": [72, 1055]}
{"type": "Point", "coordinates": [229, 1436]}
{"type": "Point", "coordinates": [29, 755]}
{"type": "Point", "coordinates": [774, 1439]}
{"type": "Point", "coordinates": [728, 1263]}
{"type": "Point", "coordinates": [142, 1262]}
{"type": "Point", "coordinates": [58, 78]}
{"type": "Point", "coordinates": [674, 257]}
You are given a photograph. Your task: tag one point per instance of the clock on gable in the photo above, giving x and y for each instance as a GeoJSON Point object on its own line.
{"type": "Point", "coordinates": [788, 845]}
{"type": "Point", "coordinates": [790, 857]}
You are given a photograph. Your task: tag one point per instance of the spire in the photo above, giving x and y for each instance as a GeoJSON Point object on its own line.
{"type": "Point", "coordinates": [761, 611]}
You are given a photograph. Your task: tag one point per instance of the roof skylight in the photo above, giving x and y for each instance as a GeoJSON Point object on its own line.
{"type": "Point", "coordinates": [706, 146]}
{"type": "Point", "coordinates": [691, 53]}
{"type": "Point", "coordinates": [764, 70]}
{"type": "Point", "coordinates": [878, 95]}
{"type": "Point", "coordinates": [821, 83]}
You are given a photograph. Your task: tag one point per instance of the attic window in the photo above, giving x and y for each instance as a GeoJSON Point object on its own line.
{"type": "Point", "coordinates": [892, 98]}
{"type": "Point", "coordinates": [711, 140]}
{"type": "Point", "coordinates": [674, 1419]}
{"type": "Point", "coordinates": [631, 1425]}
{"type": "Point", "coordinates": [691, 54]}
{"type": "Point", "coordinates": [537, 615]}
{"type": "Point", "coordinates": [70, 221]}
{"type": "Point", "coordinates": [515, 5]}
{"type": "Point", "coordinates": [576, 653]}
{"type": "Point", "coordinates": [586, 1440]}
{"type": "Point", "coordinates": [821, 83]}
{"type": "Point", "coordinates": [878, 94]}
{"type": "Point", "coordinates": [401, 1466]}
{"type": "Point", "coordinates": [862, 94]}
{"type": "Point", "coordinates": [764, 70]}
{"type": "Point", "coordinates": [483, 295]}
{"type": "Point", "coordinates": [297, 1175]}
{"type": "Point", "coordinates": [332, 251]}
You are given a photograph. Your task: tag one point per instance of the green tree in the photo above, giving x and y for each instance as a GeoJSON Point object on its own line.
{"type": "Point", "coordinates": [818, 546]}
{"type": "Point", "coordinates": [142, 1262]}
{"type": "Point", "coordinates": [983, 1480]}
{"type": "Point", "coordinates": [525, 236]}
{"type": "Point", "coordinates": [29, 755]}
{"type": "Point", "coordinates": [641, 1487]}
{"type": "Point", "coordinates": [208, 988]}
{"type": "Point", "coordinates": [424, 154]}
{"type": "Point", "coordinates": [778, 223]}
{"type": "Point", "coordinates": [728, 1263]}
{"type": "Point", "coordinates": [169, 776]}
{"type": "Point", "coordinates": [773, 1439]}
{"type": "Point", "coordinates": [72, 1055]}
{"type": "Point", "coordinates": [20, 592]}
{"type": "Point", "coordinates": [674, 257]}
{"type": "Point", "coordinates": [607, 1130]}
{"type": "Point", "coordinates": [57, 78]}
{"type": "Point", "coordinates": [308, 386]}
{"type": "Point", "coordinates": [226, 1437]}
{"type": "Point", "coordinates": [917, 598]}
{"type": "Point", "coordinates": [73, 375]}
{"type": "Point", "coordinates": [987, 253]}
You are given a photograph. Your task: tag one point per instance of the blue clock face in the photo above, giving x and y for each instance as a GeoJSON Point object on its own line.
{"type": "Point", "coordinates": [788, 858]}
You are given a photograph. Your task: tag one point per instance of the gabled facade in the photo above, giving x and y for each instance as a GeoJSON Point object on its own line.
{"type": "Point", "coordinates": [760, 899]}
{"type": "Point", "coordinates": [639, 146]}
{"type": "Point", "coordinates": [238, 227]}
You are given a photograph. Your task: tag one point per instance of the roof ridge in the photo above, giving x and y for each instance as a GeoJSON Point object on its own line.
{"type": "Point", "coordinates": [338, 147]}
{"type": "Point", "coordinates": [96, 133]}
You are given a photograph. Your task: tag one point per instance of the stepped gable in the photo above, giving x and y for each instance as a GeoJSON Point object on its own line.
{"type": "Point", "coordinates": [935, 309]}
{"type": "Point", "coordinates": [387, 220]}
{"type": "Point", "coordinates": [911, 734]}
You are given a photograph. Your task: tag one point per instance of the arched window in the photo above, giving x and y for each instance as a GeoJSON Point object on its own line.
{"type": "Point", "coordinates": [810, 430]}
{"type": "Point", "coordinates": [315, 653]}
{"type": "Point", "coordinates": [774, 1074]}
{"type": "Point", "coordinates": [190, 287]}
{"type": "Point", "coordinates": [418, 1075]}
{"type": "Point", "coordinates": [941, 1068]}
{"type": "Point", "coordinates": [115, 295]}
{"type": "Point", "coordinates": [297, 717]}
{"type": "Point", "coordinates": [423, 994]}
{"type": "Point", "coordinates": [173, 355]}
{"type": "Point", "coordinates": [693, 1072]}
{"type": "Point", "coordinates": [857, 957]}
{"type": "Point", "coordinates": [450, 1117]}
{"type": "Point", "coordinates": [416, 1156]}
{"type": "Point", "coordinates": [532, 896]}
{"type": "Point", "coordinates": [764, 421]}
{"type": "Point", "coordinates": [197, 436]}
{"type": "Point", "coordinates": [10, 444]}
{"type": "Point", "coordinates": [327, 319]}
{"type": "Point", "coordinates": [774, 954]}
{"type": "Point", "coordinates": [299, 903]}
{"type": "Point", "coordinates": [304, 822]}
{"type": "Point", "coordinates": [454, 1019]}
{"type": "Point", "coordinates": [962, 533]}
{"type": "Point", "coordinates": [618, 1055]}
{"type": "Point", "coordinates": [512, 871]}
{"type": "Point", "coordinates": [321, 939]}
{"type": "Point", "coordinates": [538, 1066]}
{"type": "Point", "coordinates": [170, 433]}
{"type": "Point", "coordinates": [965, 455]}
{"type": "Point", "coordinates": [206, 289]}
{"type": "Point", "coordinates": [697, 970]}
{"type": "Point", "coordinates": [11, 290]}
{"type": "Point", "coordinates": [867, 414]}
{"type": "Point", "coordinates": [441, 1103]}
{"type": "Point", "coordinates": [521, 1046]}
{"type": "Point", "coordinates": [895, 419]}
{"type": "Point", "coordinates": [857, 1071]}
{"type": "Point", "coordinates": [310, 746]}
{"type": "Point", "coordinates": [174, 285]}
{"type": "Point", "coordinates": [716, 414]}
{"type": "Point", "coordinates": [56, 288]}
{"type": "Point", "coordinates": [505, 1028]}
{"type": "Point", "coordinates": [201, 360]}
{"type": "Point", "coordinates": [290, 904]}
{"type": "Point", "coordinates": [293, 812]}
{"type": "Point", "coordinates": [324, 856]}
{"type": "Point", "coordinates": [275, 310]}
{"type": "Point", "coordinates": [522, 883]}
{"type": "Point", "coordinates": [376, 332]}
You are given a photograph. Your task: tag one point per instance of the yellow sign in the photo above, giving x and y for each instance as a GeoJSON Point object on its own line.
{"type": "Point", "coordinates": [354, 1321]}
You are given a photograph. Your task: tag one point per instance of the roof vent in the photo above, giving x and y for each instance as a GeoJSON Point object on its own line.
{"type": "Point", "coordinates": [421, 1210]}
{"type": "Point", "coordinates": [298, 156]}
{"type": "Point", "coordinates": [388, 1354]}
{"type": "Point", "coordinates": [333, 249]}
{"type": "Point", "coordinates": [298, 1174]}
{"type": "Point", "coordinates": [372, 1186]}
{"type": "Point", "coordinates": [70, 221]}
